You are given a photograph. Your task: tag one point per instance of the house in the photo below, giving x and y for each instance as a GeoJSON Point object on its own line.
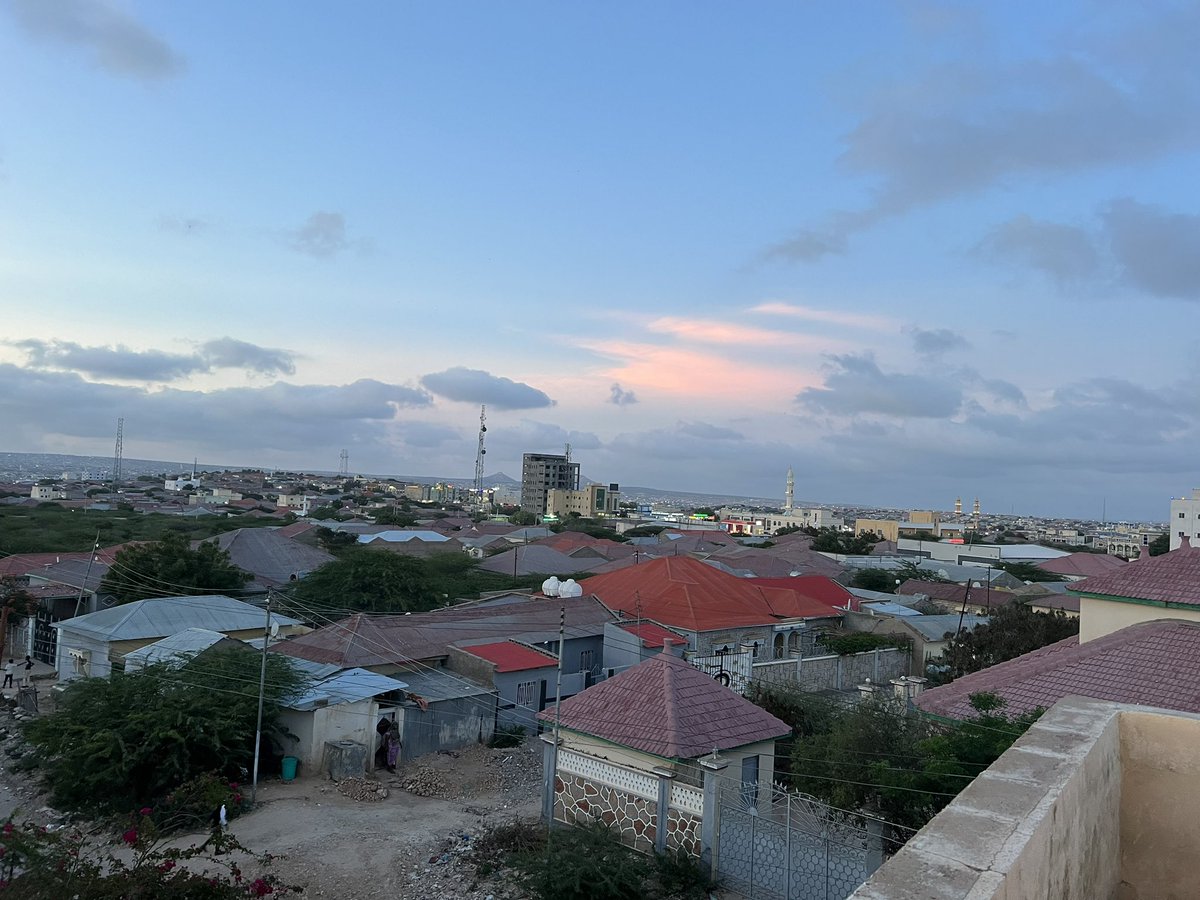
{"type": "Point", "coordinates": [524, 678]}
{"type": "Point", "coordinates": [179, 648]}
{"type": "Point", "coordinates": [627, 644]}
{"type": "Point", "coordinates": [411, 542]}
{"type": "Point", "coordinates": [729, 622]}
{"type": "Point", "coordinates": [95, 645]}
{"type": "Point", "coordinates": [956, 597]}
{"type": "Point", "coordinates": [928, 634]}
{"type": "Point", "coordinates": [274, 559]}
{"type": "Point", "coordinates": [632, 752]}
{"type": "Point", "coordinates": [343, 706]}
{"type": "Point", "coordinates": [1152, 587]}
{"type": "Point", "coordinates": [1078, 566]}
{"type": "Point", "coordinates": [536, 559]}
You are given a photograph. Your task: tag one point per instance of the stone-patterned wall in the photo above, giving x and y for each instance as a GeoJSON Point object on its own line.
{"type": "Point", "coordinates": [683, 832]}
{"type": "Point", "coordinates": [578, 801]}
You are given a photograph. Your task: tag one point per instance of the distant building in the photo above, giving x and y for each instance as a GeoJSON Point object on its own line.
{"type": "Point", "coordinates": [594, 500]}
{"type": "Point", "coordinates": [748, 522]}
{"type": "Point", "coordinates": [1185, 518]}
{"type": "Point", "coordinates": [542, 473]}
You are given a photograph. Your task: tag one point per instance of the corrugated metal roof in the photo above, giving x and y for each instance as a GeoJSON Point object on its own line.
{"type": "Point", "coordinates": [176, 647]}
{"type": "Point", "coordinates": [434, 685]}
{"type": "Point", "coordinates": [400, 536]}
{"type": "Point", "coordinates": [509, 656]}
{"type": "Point", "coordinates": [348, 686]}
{"type": "Point", "coordinates": [890, 609]}
{"type": "Point", "coordinates": [935, 628]}
{"type": "Point", "coordinates": [163, 616]}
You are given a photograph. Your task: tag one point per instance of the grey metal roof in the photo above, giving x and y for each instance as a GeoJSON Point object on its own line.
{"type": "Point", "coordinates": [272, 558]}
{"type": "Point", "coordinates": [434, 685]}
{"type": "Point", "coordinates": [890, 608]}
{"type": "Point", "coordinates": [399, 535]}
{"type": "Point", "coordinates": [348, 686]}
{"type": "Point", "coordinates": [163, 616]}
{"type": "Point", "coordinates": [177, 647]}
{"type": "Point", "coordinates": [935, 628]}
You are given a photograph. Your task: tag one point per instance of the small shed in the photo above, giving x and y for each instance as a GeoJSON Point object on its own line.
{"type": "Point", "coordinates": [442, 711]}
{"type": "Point", "coordinates": [344, 706]}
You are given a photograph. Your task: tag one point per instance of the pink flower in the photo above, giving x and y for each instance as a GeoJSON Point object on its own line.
{"type": "Point", "coordinates": [166, 866]}
{"type": "Point", "coordinates": [261, 888]}
{"type": "Point", "coordinates": [8, 828]}
{"type": "Point", "coordinates": [233, 785]}
{"type": "Point", "coordinates": [237, 798]}
{"type": "Point", "coordinates": [146, 810]}
{"type": "Point", "coordinates": [130, 837]}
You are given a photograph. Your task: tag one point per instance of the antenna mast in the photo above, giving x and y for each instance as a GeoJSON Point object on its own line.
{"type": "Point", "coordinates": [119, 455]}
{"type": "Point", "coordinates": [480, 452]}
{"type": "Point", "coordinates": [344, 463]}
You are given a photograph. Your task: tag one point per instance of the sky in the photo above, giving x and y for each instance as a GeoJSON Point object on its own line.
{"type": "Point", "coordinates": [913, 250]}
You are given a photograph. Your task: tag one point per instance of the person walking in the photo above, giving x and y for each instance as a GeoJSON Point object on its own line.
{"type": "Point", "coordinates": [27, 676]}
{"type": "Point", "coordinates": [9, 671]}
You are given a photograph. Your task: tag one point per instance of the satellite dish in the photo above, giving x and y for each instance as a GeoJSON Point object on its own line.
{"type": "Point", "coordinates": [274, 628]}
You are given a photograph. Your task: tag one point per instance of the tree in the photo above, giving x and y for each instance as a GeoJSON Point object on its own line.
{"type": "Point", "coordinates": [833, 540]}
{"type": "Point", "coordinates": [1160, 545]}
{"type": "Point", "coordinates": [874, 580]}
{"type": "Point", "coordinates": [395, 517]}
{"type": "Point", "coordinates": [16, 603]}
{"type": "Point", "coordinates": [523, 517]}
{"type": "Point", "coordinates": [116, 744]}
{"type": "Point", "coordinates": [370, 580]}
{"type": "Point", "coordinates": [1013, 630]}
{"type": "Point", "coordinates": [168, 568]}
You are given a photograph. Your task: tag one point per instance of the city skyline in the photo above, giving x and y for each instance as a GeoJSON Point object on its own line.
{"type": "Point", "coordinates": [910, 250]}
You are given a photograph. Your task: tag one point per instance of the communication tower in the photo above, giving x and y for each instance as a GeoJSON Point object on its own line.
{"type": "Point", "coordinates": [480, 452]}
{"type": "Point", "coordinates": [344, 463]}
{"type": "Point", "coordinates": [119, 455]}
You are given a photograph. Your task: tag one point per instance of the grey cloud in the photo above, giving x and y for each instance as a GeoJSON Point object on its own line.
{"type": "Point", "coordinates": [278, 417]}
{"type": "Point", "coordinates": [476, 386]}
{"type": "Point", "coordinates": [187, 225]}
{"type": "Point", "coordinates": [229, 353]}
{"type": "Point", "coordinates": [937, 341]}
{"type": "Point", "coordinates": [116, 41]}
{"type": "Point", "coordinates": [1066, 253]}
{"type": "Point", "coordinates": [1158, 251]}
{"type": "Point", "coordinates": [426, 435]}
{"type": "Point", "coordinates": [111, 362]}
{"type": "Point", "coordinates": [322, 236]}
{"type": "Point", "coordinates": [127, 364]}
{"type": "Point", "coordinates": [966, 125]}
{"type": "Point", "coordinates": [707, 432]}
{"type": "Point", "coordinates": [618, 396]}
{"type": "Point", "coordinates": [857, 385]}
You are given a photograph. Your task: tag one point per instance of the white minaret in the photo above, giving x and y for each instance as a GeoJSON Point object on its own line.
{"type": "Point", "coordinates": [789, 501]}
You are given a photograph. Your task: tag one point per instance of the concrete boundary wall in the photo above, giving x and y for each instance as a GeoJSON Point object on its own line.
{"type": "Point", "coordinates": [1096, 800]}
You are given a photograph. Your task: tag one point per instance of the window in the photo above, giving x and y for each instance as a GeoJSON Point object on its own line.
{"type": "Point", "coordinates": [527, 694]}
{"type": "Point", "coordinates": [1181, 515]}
{"type": "Point", "coordinates": [750, 780]}
{"type": "Point", "coordinates": [585, 660]}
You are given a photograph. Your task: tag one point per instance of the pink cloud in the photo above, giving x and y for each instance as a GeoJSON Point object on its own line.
{"type": "Point", "coordinates": [828, 316]}
{"type": "Point", "coordinates": [712, 331]}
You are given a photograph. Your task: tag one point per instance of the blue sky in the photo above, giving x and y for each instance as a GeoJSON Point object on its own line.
{"type": "Point", "coordinates": [916, 251]}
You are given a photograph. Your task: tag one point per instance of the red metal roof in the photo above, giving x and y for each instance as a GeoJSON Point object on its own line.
{"type": "Point", "coordinates": [1153, 663]}
{"type": "Point", "coordinates": [652, 635]}
{"type": "Point", "coordinates": [1083, 565]}
{"type": "Point", "coordinates": [669, 708]}
{"type": "Point", "coordinates": [509, 656]}
{"type": "Point", "coordinates": [1170, 578]}
{"type": "Point", "coordinates": [825, 592]}
{"type": "Point", "coordinates": [685, 593]}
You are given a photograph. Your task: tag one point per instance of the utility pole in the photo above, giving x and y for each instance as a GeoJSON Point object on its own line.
{"type": "Point", "coordinates": [87, 574]}
{"type": "Point", "coordinates": [262, 687]}
{"type": "Point", "coordinates": [119, 454]}
{"type": "Point", "coordinates": [562, 634]}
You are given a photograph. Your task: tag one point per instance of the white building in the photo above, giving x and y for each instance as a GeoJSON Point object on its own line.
{"type": "Point", "coordinates": [1185, 518]}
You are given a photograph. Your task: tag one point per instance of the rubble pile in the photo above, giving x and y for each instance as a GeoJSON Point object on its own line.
{"type": "Point", "coordinates": [427, 782]}
{"type": "Point", "coordinates": [361, 789]}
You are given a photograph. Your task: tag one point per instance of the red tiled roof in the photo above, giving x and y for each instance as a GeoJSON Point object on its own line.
{"type": "Point", "coordinates": [1083, 564]}
{"type": "Point", "coordinates": [685, 593]}
{"type": "Point", "coordinates": [509, 656]}
{"type": "Point", "coordinates": [652, 635]}
{"type": "Point", "coordinates": [669, 708]}
{"type": "Point", "coordinates": [1170, 578]}
{"type": "Point", "coordinates": [1153, 664]}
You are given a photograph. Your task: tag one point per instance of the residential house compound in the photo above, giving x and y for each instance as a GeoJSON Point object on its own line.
{"type": "Point", "coordinates": [635, 752]}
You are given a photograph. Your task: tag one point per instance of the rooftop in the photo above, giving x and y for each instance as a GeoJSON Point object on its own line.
{"type": "Point", "coordinates": [509, 656]}
{"type": "Point", "coordinates": [669, 708]}
{"type": "Point", "coordinates": [1172, 577]}
{"type": "Point", "coordinates": [164, 616]}
{"type": "Point", "coordinates": [1154, 664]}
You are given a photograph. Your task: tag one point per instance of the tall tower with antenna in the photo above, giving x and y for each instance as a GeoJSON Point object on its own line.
{"type": "Point", "coordinates": [119, 454]}
{"type": "Point", "coordinates": [789, 502]}
{"type": "Point", "coordinates": [344, 463]}
{"type": "Point", "coordinates": [480, 452]}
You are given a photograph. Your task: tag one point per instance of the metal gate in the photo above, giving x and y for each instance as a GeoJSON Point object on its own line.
{"type": "Point", "coordinates": [780, 845]}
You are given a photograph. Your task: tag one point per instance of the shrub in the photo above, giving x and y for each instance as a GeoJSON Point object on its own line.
{"type": "Point", "coordinates": [511, 736]}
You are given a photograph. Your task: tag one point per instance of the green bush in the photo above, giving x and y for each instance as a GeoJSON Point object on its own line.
{"type": "Point", "coordinates": [511, 736]}
{"type": "Point", "coordinates": [583, 863]}
{"type": "Point", "coordinates": [846, 644]}
{"type": "Point", "coordinates": [190, 805]}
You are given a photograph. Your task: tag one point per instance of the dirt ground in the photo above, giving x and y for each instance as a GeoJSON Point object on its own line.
{"type": "Point", "coordinates": [408, 845]}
